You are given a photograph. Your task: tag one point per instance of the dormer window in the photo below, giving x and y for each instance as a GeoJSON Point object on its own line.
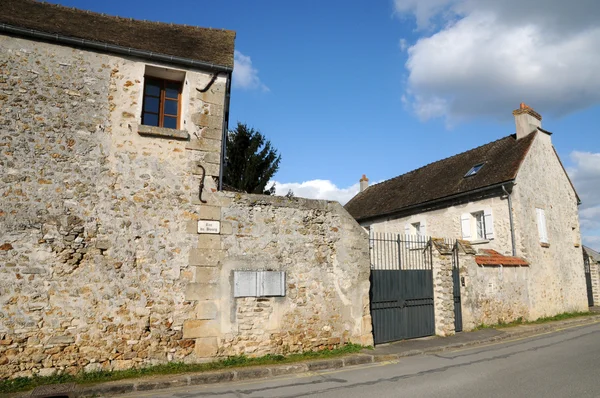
{"type": "Point", "coordinates": [474, 170]}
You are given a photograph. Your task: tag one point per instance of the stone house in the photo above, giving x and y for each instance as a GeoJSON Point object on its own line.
{"type": "Point", "coordinates": [512, 201]}
{"type": "Point", "coordinates": [117, 247]}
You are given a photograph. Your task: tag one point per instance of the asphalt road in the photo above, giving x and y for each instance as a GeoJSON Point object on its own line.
{"type": "Point", "coordinates": [565, 363]}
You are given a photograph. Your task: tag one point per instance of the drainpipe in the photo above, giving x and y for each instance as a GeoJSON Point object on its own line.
{"type": "Point", "coordinates": [225, 130]}
{"type": "Point", "coordinates": [512, 225]}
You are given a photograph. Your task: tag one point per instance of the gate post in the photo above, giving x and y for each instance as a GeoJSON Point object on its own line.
{"type": "Point", "coordinates": [443, 288]}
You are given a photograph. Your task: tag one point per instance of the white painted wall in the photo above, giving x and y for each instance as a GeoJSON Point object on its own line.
{"type": "Point", "coordinates": [446, 223]}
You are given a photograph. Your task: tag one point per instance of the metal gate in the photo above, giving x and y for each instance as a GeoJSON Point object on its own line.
{"type": "Point", "coordinates": [401, 287]}
{"type": "Point", "coordinates": [456, 282]}
{"type": "Point", "coordinates": [588, 278]}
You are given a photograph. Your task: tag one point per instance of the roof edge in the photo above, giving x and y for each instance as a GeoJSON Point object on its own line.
{"type": "Point", "coordinates": [567, 174]}
{"type": "Point", "coordinates": [112, 48]}
{"type": "Point", "coordinates": [522, 160]}
{"type": "Point", "coordinates": [450, 197]}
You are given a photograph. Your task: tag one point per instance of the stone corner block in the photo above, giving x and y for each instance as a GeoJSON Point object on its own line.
{"type": "Point", "coordinates": [206, 310]}
{"type": "Point", "coordinates": [206, 347]}
{"type": "Point", "coordinates": [204, 144]}
{"type": "Point", "coordinates": [206, 257]}
{"type": "Point", "coordinates": [207, 212]}
{"type": "Point", "coordinates": [196, 328]}
{"type": "Point", "coordinates": [201, 291]}
{"type": "Point", "coordinates": [206, 241]}
{"type": "Point", "coordinates": [207, 274]}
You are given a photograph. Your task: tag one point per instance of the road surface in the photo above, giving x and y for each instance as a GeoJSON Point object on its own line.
{"type": "Point", "coordinates": [564, 363]}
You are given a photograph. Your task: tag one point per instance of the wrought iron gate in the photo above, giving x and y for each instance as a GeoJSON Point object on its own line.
{"type": "Point", "coordinates": [456, 282]}
{"type": "Point", "coordinates": [588, 279]}
{"type": "Point", "coordinates": [401, 287]}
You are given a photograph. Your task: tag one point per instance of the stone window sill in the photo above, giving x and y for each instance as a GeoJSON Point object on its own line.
{"type": "Point", "coordinates": [152, 131]}
{"type": "Point", "coordinates": [546, 245]}
{"type": "Point", "coordinates": [479, 241]}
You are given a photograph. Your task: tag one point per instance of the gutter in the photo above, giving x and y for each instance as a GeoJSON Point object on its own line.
{"type": "Point", "coordinates": [111, 48]}
{"type": "Point", "coordinates": [225, 130]}
{"type": "Point", "coordinates": [445, 198]}
{"type": "Point", "coordinates": [512, 225]}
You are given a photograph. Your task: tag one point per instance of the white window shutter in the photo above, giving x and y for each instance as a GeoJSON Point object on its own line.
{"type": "Point", "coordinates": [465, 224]}
{"type": "Point", "coordinates": [541, 222]}
{"type": "Point", "coordinates": [423, 230]}
{"type": "Point", "coordinates": [489, 223]}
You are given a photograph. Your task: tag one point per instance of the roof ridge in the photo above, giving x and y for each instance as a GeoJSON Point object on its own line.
{"type": "Point", "coordinates": [441, 160]}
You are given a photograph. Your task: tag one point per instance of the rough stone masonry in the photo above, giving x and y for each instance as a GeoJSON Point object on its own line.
{"type": "Point", "coordinates": [101, 263]}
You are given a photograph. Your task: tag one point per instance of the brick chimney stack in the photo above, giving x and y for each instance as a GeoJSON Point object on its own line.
{"type": "Point", "coordinates": [364, 183]}
{"type": "Point", "coordinates": [527, 120]}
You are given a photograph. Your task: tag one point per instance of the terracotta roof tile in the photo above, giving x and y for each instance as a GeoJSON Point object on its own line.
{"type": "Point", "coordinates": [495, 258]}
{"type": "Point", "coordinates": [444, 178]}
{"type": "Point", "coordinates": [201, 44]}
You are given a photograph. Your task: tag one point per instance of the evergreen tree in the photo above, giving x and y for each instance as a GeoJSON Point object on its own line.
{"type": "Point", "coordinates": [251, 161]}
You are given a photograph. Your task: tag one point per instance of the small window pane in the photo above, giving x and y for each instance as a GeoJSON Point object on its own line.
{"type": "Point", "coordinates": [152, 87]}
{"type": "Point", "coordinates": [172, 90]}
{"type": "Point", "coordinates": [151, 104]}
{"type": "Point", "coordinates": [150, 120]}
{"type": "Point", "coordinates": [170, 107]}
{"type": "Point", "coordinates": [170, 122]}
{"type": "Point", "coordinates": [479, 224]}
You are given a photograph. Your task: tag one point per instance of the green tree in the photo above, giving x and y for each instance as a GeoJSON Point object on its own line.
{"type": "Point", "coordinates": [251, 161]}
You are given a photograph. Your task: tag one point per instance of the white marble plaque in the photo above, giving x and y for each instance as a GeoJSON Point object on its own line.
{"type": "Point", "coordinates": [209, 227]}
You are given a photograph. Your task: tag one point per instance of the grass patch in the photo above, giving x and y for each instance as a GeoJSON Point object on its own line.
{"type": "Point", "coordinates": [27, 383]}
{"type": "Point", "coordinates": [519, 321]}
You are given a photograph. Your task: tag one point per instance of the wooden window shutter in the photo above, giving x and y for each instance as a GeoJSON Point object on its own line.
{"type": "Point", "coordinates": [465, 224]}
{"type": "Point", "coordinates": [489, 223]}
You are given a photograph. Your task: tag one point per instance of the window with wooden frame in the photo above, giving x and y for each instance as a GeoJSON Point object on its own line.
{"type": "Point", "coordinates": [162, 103]}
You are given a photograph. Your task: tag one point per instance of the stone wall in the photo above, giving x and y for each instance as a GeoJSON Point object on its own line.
{"type": "Point", "coordinates": [556, 276]}
{"type": "Point", "coordinates": [325, 256]}
{"type": "Point", "coordinates": [492, 294]}
{"type": "Point", "coordinates": [101, 264]}
{"type": "Point", "coordinates": [594, 276]}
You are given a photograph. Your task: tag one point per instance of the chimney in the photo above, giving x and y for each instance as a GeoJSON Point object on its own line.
{"type": "Point", "coordinates": [527, 120]}
{"type": "Point", "coordinates": [364, 183]}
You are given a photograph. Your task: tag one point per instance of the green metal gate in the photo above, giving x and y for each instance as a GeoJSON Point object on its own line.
{"type": "Point", "coordinates": [401, 287]}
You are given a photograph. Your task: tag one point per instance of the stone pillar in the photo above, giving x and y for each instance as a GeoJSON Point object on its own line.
{"type": "Point", "coordinates": [443, 297]}
{"type": "Point", "coordinates": [205, 258]}
{"type": "Point", "coordinates": [595, 274]}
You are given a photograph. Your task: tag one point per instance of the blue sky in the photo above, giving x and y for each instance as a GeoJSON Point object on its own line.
{"type": "Point", "coordinates": [345, 88]}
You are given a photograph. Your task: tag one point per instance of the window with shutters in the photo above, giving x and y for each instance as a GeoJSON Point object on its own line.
{"type": "Point", "coordinates": [542, 227]}
{"type": "Point", "coordinates": [477, 226]}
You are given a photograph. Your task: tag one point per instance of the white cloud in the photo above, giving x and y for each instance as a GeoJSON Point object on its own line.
{"type": "Point", "coordinates": [245, 76]}
{"type": "Point", "coordinates": [487, 56]}
{"type": "Point", "coordinates": [317, 189]}
{"type": "Point", "coordinates": [586, 178]}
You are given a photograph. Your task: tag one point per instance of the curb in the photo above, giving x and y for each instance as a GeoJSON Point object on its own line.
{"type": "Point", "coordinates": [250, 373]}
